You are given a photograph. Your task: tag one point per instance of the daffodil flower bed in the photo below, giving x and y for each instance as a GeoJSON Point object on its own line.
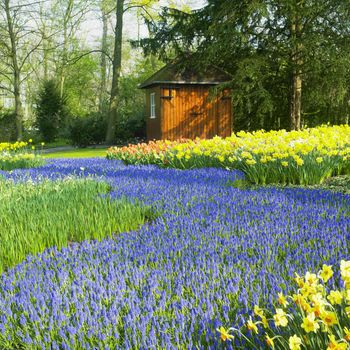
{"type": "Point", "coordinates": [316, 316]}
{"type": "Point", "coordinates": [304, 157]}
{"type": "Point", "coordinates": [13, 147]}
{"type": "Point", "coordinates": [19, 155]}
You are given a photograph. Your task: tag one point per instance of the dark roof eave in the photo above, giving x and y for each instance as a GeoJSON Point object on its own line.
{"type": "Point", "coordinates": [184, 82]}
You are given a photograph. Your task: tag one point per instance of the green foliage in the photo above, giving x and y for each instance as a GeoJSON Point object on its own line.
{"type": "Point", "coordinates": [131, 109]}
{"type": "Point", "coordinates": [20, 161]}
{"type": "Point", "coordinates": [80, 84]}
{"type": "Point", "coordinates": [253, 42]}
{"type": "Point", "coordinates": [50, 110]}
{"type": "Point", "coordinates": [7, 125]}
{"type": "Point", "coordinates": [88, 130]}
{"type": "Point", "coordinates": [131, 122]}
{"type": "Point", "coordinates": [34, 217]}
{"type": "Point", "coordinates": [309, 173]}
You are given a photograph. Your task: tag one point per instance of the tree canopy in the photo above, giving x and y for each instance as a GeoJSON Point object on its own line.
{"type": "Point", "coordinates": [287, 59]}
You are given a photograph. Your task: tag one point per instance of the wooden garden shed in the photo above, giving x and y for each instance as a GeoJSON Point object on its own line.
{"type": "Point", "coordinates": [180, 103]}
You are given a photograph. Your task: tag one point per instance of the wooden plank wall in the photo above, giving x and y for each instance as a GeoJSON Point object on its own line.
{"type": "Point", "coordinates": [224, 115]}
{"type": "Point", "coordinates": [190, 114]}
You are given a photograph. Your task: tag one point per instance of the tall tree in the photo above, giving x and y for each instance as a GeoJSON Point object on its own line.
{"type": "Point", "coordinates": [272, 49]}
{"type": "Point", "coordinates": [69, 16]}
{"type": "Point", "coordinates": [105, 10]}
{"type": "Point", "coordinates": [122, 6]}
{"type": "Point", "coordinates": [18, 41]}
{"type": "Point", "coordinates": [117, 62]}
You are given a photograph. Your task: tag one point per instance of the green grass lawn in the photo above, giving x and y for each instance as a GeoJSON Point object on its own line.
{"type": "Point", "coordinates": [78, 153]}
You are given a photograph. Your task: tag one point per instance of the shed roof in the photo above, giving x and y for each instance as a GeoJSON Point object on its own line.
{"type": "Point", "coordinates": [178, 73]}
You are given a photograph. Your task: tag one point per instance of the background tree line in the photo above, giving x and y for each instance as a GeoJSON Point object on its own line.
{"type": "Point", "coordinates": [288, 63]}
{"type": "Point", "coordinates": [56, 83]}
{"type": "Point", "coordinates": [288, 60]}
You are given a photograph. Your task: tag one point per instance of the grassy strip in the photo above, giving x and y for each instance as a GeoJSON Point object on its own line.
{"type": "Point", "coordinates": [78, 153]}
{"type": "Point", "coordinates": [37, 216]}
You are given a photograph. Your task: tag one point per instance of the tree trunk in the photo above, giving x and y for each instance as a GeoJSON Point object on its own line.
{"type": "Point", "coordinates": [16, 72]}
{"type": "Point", "coordinates": [297, 82]}
{"type": "Point", "coordinates": [295, 112]}
{"type": "Point", "coordinates": [45, 55]}
{"type": "Point", "coordinates": [67, 17]}
{"type": "Point", "coordinates": [103, 64]}
{"type": "Point", "coordinates": [45, 45]}
{"type": "Point", "coordinates": [117, 60]}
{"type": "Point", "coordinates": [18, 108]}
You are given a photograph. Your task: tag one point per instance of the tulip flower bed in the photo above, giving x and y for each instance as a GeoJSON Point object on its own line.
{"type": "Point", "coordinates": [306, 157]}
{"type": "Point", "coordinates": [213, 253]}
{"type": "Point", "coordinates": [153, 152]}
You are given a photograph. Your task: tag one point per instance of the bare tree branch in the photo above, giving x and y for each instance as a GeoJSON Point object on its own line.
{"type": "Point", "coordinates": [77, 58]}
{"type": "Point", "coordinates": [2, 87]}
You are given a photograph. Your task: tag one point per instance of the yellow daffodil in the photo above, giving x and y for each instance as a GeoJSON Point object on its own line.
{"type": "Point", "coordinates": [269, 341]}
{"type": "Point", "coordinates": [335, 345]}
{"type": "Point", "coordinates": [264, 322]}
{"type": "Point", "coordinates": [180, 155]}
{"type": "Point", "coordinates": [258, 311]}
{"type": "Point", "coordinates": [346, 334]}
{"type": "Point", "coordinates": [282, 300]}
{"type": "Point", "coordinates": [294, 342]}
{"type": "Point", "coordinates": [335, 297]}
{"type": "Point", "coordinates": [224, 334]}
{"type": "Point", "coordinates": [318, 304]}
{"type": "Point", "coordinates": [326, 273]}
{"type": "Point", "coordinates": [329, 318]}
{"type": "Point", "coordinates": [347, 296]}
{"type": "Point", "coordinates": [250, 161]}
{"type": "Point", "coordinates": [310, 324]}
{"type": "Point", "coordinates": [345, 270]}
{"type": "Point", "coordinates": [252, 326]}
{"type": "Point", "coordinates": [311, 278]}
{"type": "Point", "coordinates": [280, 318]}
{"type": "Point", "coordinates": [299, 161]}
{"type": "Point", "coordinates": [298, 299]}
{"type": "Point", "coordinates": [299, 280]}
{"type": "Point", "coordinates": [308, 290]}
{"type": "Point", "coordinates": [347, 310]}
{"type": "Point", "coordinates": [221, 159]}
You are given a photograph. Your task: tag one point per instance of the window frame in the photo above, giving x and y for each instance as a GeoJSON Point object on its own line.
{"type": "Point", "coordinates": [152, 100]}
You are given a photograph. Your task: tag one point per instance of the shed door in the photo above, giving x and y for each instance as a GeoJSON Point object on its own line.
{"type": "Point", "coordinates": [187, 112]}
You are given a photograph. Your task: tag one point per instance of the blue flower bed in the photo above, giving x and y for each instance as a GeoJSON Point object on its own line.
{"type": "Point", "coordinates": [213, 253]}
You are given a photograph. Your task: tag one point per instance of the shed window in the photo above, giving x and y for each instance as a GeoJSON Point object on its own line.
{"type": "Point", "coordinates": [153, 105]}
